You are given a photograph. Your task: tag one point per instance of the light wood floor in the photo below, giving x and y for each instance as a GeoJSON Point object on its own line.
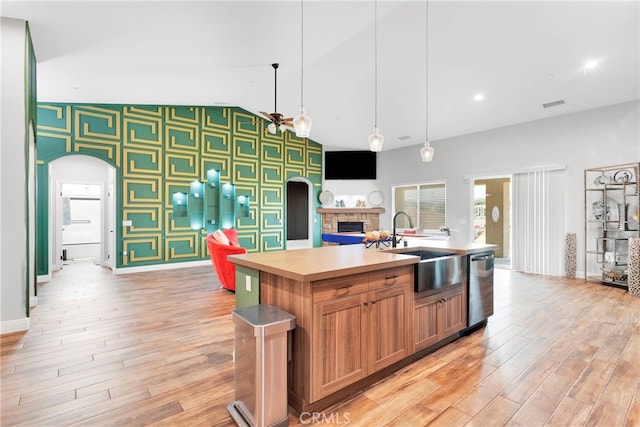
{"type": "Point", "coordinates": [155, 349]}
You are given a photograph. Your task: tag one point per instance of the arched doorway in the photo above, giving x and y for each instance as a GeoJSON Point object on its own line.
{"type": "Point", "coordinates": [81, 210]}
{"type": "Point", "coordinates": [299, 214]}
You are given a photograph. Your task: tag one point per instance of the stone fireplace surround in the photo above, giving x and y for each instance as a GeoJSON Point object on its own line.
{"type": "Point", "coordinates": [370, 217]}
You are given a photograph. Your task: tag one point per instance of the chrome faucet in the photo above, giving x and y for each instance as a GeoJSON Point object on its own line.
{"type": "Point", "coordinates": [395, 240]}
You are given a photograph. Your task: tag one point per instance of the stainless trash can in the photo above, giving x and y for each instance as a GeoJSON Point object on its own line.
{"type": "Point", "coordinates": [261, 365]}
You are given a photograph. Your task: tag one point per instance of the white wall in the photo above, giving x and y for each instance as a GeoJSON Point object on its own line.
{"type": "Point", "coordinates": [599, 137]}
{"type": "Point", "coordinates": [13, 241]}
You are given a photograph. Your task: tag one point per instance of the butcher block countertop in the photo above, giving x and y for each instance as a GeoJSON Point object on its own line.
{"type": "Point", "coordinates": [307, 265]}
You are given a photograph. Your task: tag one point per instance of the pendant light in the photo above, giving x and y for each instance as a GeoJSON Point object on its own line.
{"type": "Point", "coordinates": [376, 139]}
{"type": "Point", "coordinates": [302, 122]}
{"type": "Point", "coordinates": [426, 152]}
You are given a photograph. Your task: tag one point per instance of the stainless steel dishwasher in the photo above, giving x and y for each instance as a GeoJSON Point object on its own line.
{"type": "Point", "coordinates": [480, 288]}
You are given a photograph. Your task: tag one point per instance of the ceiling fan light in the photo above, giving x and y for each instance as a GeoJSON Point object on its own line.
{"type": "Point", "coordinates": [426, 152]}
{"type": "Point", "coordinates": [376, 139]}
{"type": "Point", "coordinates": [282, 128]}
{"type": "Point", "coordinates": [302, 124]}
{"type": "Point", "coordinates": [272, 128]}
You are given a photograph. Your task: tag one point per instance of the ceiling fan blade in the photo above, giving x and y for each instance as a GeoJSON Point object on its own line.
{"type": "Point", "coordinates": [269, 116]}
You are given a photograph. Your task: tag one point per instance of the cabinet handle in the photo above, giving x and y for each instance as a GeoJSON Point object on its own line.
{"type": "Point", "coordinates": [366, 304]}
{"type": "Point", "coordinates": [373, 302]}
{"type": "Point", "coordinates": [395, 276]}
{"type": "Point", "coordinates": [346, 286]}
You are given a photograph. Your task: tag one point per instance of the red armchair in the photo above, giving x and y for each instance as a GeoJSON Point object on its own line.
{"type": "Point", "coordinates": [220, 244]}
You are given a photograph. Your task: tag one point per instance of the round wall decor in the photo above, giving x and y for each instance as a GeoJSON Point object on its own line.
{"type": "Point", "coordinates": [325, 197]}
{"type": "Point", "coordinates": [376, 198]}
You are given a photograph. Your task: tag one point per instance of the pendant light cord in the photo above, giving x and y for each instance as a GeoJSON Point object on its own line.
{"type": "Point", "coordinates": [301, 53]}
{"type": "Point", "coordinates": [375, 61]}
{"type": "Point", "coordinates": [426, 73]}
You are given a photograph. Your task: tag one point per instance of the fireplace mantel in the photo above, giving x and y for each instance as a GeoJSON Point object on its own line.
{"type": "Point", "coordinates": [376, 211]}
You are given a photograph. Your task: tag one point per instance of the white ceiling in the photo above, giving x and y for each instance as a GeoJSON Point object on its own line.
{"type": "Point", "coordinates": [519, 54]}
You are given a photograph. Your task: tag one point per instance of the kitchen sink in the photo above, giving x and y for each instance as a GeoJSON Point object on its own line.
{"type": "Point", "coordinates": [426, 254]}
{"type": "Point", "coordinates": [437, 271]}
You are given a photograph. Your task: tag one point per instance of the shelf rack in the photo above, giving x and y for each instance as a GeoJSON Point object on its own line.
{"type": "Point", "coordinates": [612, 203]}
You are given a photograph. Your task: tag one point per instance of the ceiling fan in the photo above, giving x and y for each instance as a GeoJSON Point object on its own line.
{"type": "Point", "coordinates": [278, 121]}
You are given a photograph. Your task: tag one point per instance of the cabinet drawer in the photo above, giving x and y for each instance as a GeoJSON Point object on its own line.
{"type": "Point", "coordinates": [391, 277]}
{"type": "Point", "coordinates": [325, 290]}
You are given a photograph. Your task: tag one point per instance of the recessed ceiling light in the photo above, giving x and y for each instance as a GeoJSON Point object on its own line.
{"type": "Point", "coordinates": [591, 64]}
{"type": "Point", "coordinates": [478, 97]}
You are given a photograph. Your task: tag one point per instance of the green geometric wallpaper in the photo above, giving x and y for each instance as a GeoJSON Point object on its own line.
{"type": "Point", "coordinates": [161, 150]}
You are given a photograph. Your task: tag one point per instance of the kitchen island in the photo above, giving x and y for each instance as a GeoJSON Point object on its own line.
{"type": "Point", "coordinates": [355, 313]}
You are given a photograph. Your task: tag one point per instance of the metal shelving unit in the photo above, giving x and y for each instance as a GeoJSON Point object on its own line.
{"type": "Point", "coordinates": [612, 216]}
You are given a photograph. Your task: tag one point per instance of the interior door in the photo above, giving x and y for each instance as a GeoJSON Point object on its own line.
{"type": "Point", "coordinates": [297, 210]}
{"type": "Point", "coordinates": [111, 222]}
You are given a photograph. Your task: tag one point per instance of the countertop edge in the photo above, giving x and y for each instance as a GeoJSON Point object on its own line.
{"type": "Point", "coordinates": [329, 274]}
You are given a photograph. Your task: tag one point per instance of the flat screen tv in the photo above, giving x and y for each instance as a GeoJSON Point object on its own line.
{"type": "Point", "coordinates": [350, 164]}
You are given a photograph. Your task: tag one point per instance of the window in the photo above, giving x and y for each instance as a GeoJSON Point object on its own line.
{"type": "Point", "coordinates": [425, 203]}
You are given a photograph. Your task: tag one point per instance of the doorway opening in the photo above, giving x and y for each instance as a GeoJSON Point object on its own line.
{"type": "Point", "coordinates": [492, 216]}
{"type": "Point", "coordinates": [299, 229]}
{"type": "Point", "coordinates": [81, 221]}
{"type": "Point", "coordinates": [81, 211]}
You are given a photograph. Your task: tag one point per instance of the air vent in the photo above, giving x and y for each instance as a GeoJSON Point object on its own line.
{"type": "Point", "coordinates": [554, 103]}
{"type": "Point", "coordinates": [402, 138]}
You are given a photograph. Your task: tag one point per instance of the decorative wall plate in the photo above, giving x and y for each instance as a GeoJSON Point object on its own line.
{"type": "Point", "coordinates": [376, 198]}
{"type": "Point", "coordinates": [325, 197]}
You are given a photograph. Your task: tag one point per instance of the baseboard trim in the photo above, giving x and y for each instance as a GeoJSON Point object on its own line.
{"type": "Point", "coordinates": [158, 267]}
{"type": "Point", "coordinates": [43, 278]}
{"type": "Point", "coordinates": [17, 325]}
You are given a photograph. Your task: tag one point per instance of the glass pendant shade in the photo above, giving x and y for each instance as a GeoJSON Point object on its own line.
{"type": "Point", "coordinates": [302, 124]}
{"type": "Point", "coordinates": [272, 128]}
{"type": "Point", "coordinates": [376, 139]}
{"type": "Point", "coordinates": [426, 152]}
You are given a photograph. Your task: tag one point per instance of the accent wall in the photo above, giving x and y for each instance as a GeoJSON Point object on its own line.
{"type": "Point", "coordinates": [221, 162]}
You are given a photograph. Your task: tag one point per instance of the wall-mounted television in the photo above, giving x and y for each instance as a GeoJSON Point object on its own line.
{"type": "Point", "coordinates": [361, 164]}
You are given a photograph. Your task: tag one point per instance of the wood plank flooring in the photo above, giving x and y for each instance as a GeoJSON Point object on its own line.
{"type": "Point", "coordinates": [156, 349]}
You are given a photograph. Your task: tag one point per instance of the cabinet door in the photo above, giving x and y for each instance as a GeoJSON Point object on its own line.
{"type": "Point", "coordinates": [454, 311]}
{"type": "Point", "coordinates": [425, 322]}
{"type": "Point", "coordinates": [339, 344]}
{"type": "Point", "coordinates": [389, 341]}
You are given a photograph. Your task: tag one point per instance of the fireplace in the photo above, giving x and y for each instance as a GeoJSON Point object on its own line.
{"type": "Point", "coordinates": [350, 227]}
{"type": "Point", "coordinates": [367, 219]}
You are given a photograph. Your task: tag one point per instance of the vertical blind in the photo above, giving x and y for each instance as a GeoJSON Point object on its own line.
{"type": "Point", "coordinates": [538, 222]}
{"type": "Point", "coordinates": [425, 204]}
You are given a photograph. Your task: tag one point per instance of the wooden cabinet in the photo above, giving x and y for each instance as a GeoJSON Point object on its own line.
{"type": "Point", "coordinates": [360, 325]}
{"type": "Point", "coordinates": [389, 297]}
{"type": "Point", "coordinates": [439, 316]}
